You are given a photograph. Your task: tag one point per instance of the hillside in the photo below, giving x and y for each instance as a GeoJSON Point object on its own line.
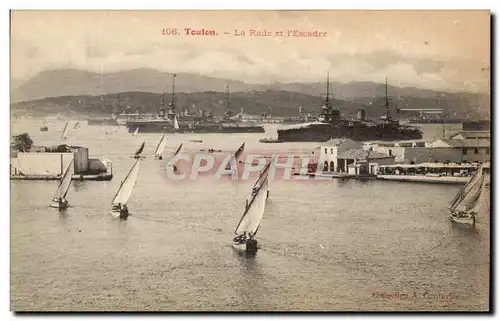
{"type": "Point", "coordinates": [71, 82]}
{"type": "Point", "coordinates": [284, 103]}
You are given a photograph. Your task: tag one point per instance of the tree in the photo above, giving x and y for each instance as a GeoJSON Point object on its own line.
{"type": "Point", "coordinates": [22, 142]}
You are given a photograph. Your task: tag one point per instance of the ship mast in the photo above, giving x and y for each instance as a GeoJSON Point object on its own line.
{"type": "Point", "coordinates": [228, 112]}
{"type": "Point", "coordinates": [118, 104]}
{"type": "Point", "coordinates": [386, 101]}
{"type": "Point", "coordinates": [327, 100]}
{"type": "Point", "coordinates": [327, 107]}
{"type": "Point", "coordinates": [328, 114]}
{"type": "Point", "coordinates": [172, 103]}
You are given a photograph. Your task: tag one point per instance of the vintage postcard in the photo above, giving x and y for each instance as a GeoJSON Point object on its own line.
{"type": "Point", "coordinates": [250, 161]}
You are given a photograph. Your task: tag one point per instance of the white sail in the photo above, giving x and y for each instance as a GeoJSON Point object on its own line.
{"type": "Point", "coordinates": [127, 185]}
{"type": "Point", "coordinates": [62, 189]}
{"type": "Point", "coordinates": [465, 190]}
{"type": "Point", "coordinates": [136, 131]}
{"type": "Point", "coordinates": [471, 199]}
{"type": "Point", "coordinates": [176, 122]}
{"type": "Point", "coordinates": [262, 175]}
{"type": "Point", "coordinates": [65, 130]}
{"type": "Point", "coordinates": [254, 212]}
{"type": "Point", "coordinates": [161, 146]}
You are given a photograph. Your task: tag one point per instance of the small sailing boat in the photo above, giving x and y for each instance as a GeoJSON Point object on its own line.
{"type": "Point", "coordinates": [59, 200]}
{"type": "Point", "coordinates": [250, 221]}
{"type": "Point", "coordinates": [118, 205]}
{"type": "Point", "coordinates": [176, 122]}
{"type": "Point", "coordinates": [136, 132]}
{"type": "Point", "coordinates": [468, 201]}
{"type": "Point", "coordinates": [237, 155]}
{"type": "Point", "coordinates": [76, 125]}
{"type": "Point", "coordinates": [44, 127]}
{"type": "Point", "coordinates": [160, 147]}
{"type": "Point", "coordinates": [263, 176]}
{"type": "Point", "coordinates": [176, 152]}
{"type": "Point", "coordinates": [65, 131]}
{"type": "Point", "coordinates": [139, 151]}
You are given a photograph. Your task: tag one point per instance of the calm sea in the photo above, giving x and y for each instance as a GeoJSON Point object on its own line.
{"type": "Point", "coordinates": [325, 245]}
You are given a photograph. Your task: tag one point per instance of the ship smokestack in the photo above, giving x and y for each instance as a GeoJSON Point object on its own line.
{"type": "Point", "coordinates": [361, 114]}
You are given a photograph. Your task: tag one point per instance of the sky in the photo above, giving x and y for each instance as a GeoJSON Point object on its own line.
{"type": "Point", "coordinates": [441, 50]}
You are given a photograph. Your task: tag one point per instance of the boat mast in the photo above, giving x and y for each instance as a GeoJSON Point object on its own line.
{"type": "Point", "coordinates": [386, 101]}
{"type": "Point", "coordinates": [126, 177]}
{"type": "Point", "coordinates": [172, 103]}
{"type": "Point", "coordinates": [227, 103]}
{"type": "Point", "coordinates": [173, 91]}
{"type": "Point", "coordinates": [247, 207]}
{"type": "Point", "coordinates": [327, 100]}
{"type": "Point", "coordinates": [161, 110]}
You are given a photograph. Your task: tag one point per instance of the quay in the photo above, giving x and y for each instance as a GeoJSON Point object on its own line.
{"type": "Point", "coordinates": [338, 175]}
{"type": "Point", "coordinates": [425, 179]}
{"type": "Point", "coordinates": [42, 163]}
{"type": "Point", "coordinates": [76, 177]}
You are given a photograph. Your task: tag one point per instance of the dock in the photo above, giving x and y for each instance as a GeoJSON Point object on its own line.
{"type": "Point", "coordinates": [76, 177]}
{"type": "Point", "coordinates": [333, 175]}
{"type": "Point", "coordinates": [425, 179]}
{"type": "Point", "coordinates": [395, 178]}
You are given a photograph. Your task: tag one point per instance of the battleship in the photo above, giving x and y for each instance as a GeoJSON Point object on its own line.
{"type": "Point", "coordinates": [105, 121]}
{"type": "Point", "coordinates": [330, 125]}
{"type": "Point", "coordinates": [168, 121]}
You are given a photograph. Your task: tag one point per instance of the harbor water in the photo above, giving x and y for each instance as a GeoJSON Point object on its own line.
{"type": "Point", "coordinates": [332, 245]}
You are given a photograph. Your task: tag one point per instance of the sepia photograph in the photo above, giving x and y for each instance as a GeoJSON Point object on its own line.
{"type": "Point", "coordinates": [250, 160]}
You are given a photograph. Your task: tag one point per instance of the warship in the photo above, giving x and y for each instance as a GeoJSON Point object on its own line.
{"type": "Point", "coordinates": [168, 121]}
{"type": "Point", "coordinates": [105, 121]}
{"type": "Point", "coordinates": [163, 122]}
{"type": "Point", "coordinates": [330, 125]}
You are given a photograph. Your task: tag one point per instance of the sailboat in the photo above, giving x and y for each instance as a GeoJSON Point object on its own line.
{"type": "Point", "coordinates": [65, 130]}
{"type": "Point", "coordinates": [250, 221]}
{"type": "Point", "coordinates": [467, 203]}
{"type": "Point", "coordinates": [237, 155]}
{"type": "Point", "coordinates": [136, 132]}
{"type": "Point", "coordinates": [160, 147]}
{"type": "Point", "coordinates": [176, 152]}
{"type": "Point", "coordinates": [263, 176]}
{"type": "Point", "coordinates": [123, 194]}
{"type": "Point", "coordinates": [59, 200]}
{"type": "Point", "coordinates": [139, 151]}
{"type": "Point", "coordinates": [176, 122]}
{"type": "Point", "coordinates": [44, 127]}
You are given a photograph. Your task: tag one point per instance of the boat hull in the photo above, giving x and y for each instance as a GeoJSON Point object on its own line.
{"type": "Point", "coordinates": [101, 122]}
{"type": "Point", "coordinates": [359, 132]}
{"type": "Point", "coordinates": [162, 127]}
{"type": "Point", "coordinates": [250, 246]}
{"type": "Point", "coordinates": [122, 215]}
{"type": "Point", "coordinates": [468, 219]}
{"type": "Point", "coordinates": [60, 206]}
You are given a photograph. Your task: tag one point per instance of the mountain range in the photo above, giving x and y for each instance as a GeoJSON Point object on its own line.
{"type": "Point", "coordinates": [142, 90]}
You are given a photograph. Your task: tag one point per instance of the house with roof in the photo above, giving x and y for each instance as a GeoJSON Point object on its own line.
{"type": "Point", "coordinates": [329, 150]}
{"type": "Point", "coordinates": [348, 156]}
{"type": "Point", "coordinates": [476, 134]}
{"type": "Point", "coordinates": [361, 161]}
{"type": "Point", "coordinates": [471, 150]}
